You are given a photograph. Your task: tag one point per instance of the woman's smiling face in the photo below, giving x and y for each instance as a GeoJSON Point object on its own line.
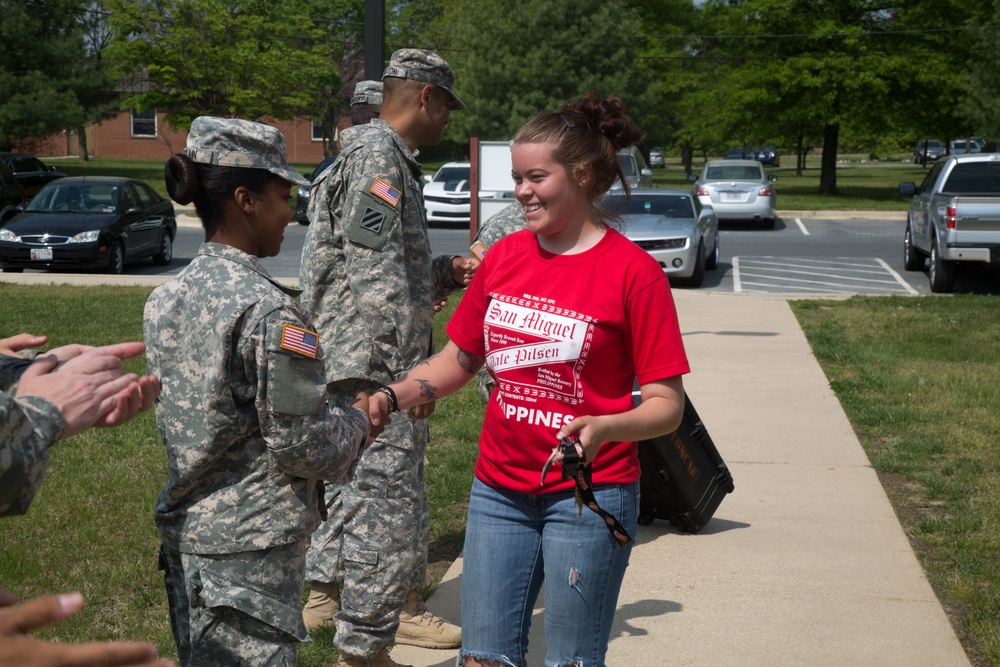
{"type": "Point", "coordinates": [552, 199]}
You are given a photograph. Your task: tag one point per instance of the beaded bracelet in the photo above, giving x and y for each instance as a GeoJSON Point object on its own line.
{"type": "Point", "coordinates": [391, 395]}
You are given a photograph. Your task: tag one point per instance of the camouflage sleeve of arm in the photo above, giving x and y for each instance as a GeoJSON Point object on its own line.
{"type": "Point", "coordinates": [306, 435]}
{"type": "Point", "coordinates": [376, 261]}
{"type": "Point", "coordinates": [443, 282]}
{"type": "Point", "coordinates": [28, 427]}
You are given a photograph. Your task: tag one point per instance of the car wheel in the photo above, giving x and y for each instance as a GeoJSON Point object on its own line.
{"type": "Point", "coordinates": [166, 251]}
{"type": "Point", "coordinates": [698, 277]}
{"type": "Point", "coordinates": [913, 259]}
{"type": "Point", "coordinates": [712, 262]}
{"type": "Point", "coordinates": [942, 272]}
{"type": "Point", "coordinates": [116, 262]}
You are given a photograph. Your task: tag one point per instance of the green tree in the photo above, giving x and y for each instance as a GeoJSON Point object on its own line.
{"type": "Point", "coordinates": [511, 65]}
{"type": "Point", "coordinates": [52, 76]}
{"type": "Point", "coordinates": [234, 58]}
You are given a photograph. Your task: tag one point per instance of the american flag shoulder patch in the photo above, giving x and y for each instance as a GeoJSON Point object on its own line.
{"type": "Point", "coordinates": [299, 340]}
{"type": "Point", "coordinates": [384, 191]}
{"type": "Point", "coordinates": [478, 250]}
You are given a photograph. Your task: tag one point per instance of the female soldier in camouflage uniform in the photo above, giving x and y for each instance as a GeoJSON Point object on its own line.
{"type": "Point", "coordinates": [243, 409]}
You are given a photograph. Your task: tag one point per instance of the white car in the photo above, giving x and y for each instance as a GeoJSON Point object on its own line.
{"type": "Point", "coordinates": [737, 190]}
{"type": "Point", "coordinates": [673, 227]}
{"type": "Point", "coordinates": [446, 196]}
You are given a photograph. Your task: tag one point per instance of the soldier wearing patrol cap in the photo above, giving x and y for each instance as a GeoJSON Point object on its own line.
{"type": "Point", "coordinates": [243, 411]}
{"type": "Point", "coordinates": [366, 104]}
{"type": "Point", "coordinates": [370, 283]}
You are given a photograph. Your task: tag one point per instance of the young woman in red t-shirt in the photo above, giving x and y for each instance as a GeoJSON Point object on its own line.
{"type": "Point", "coordinates": [566, 315]}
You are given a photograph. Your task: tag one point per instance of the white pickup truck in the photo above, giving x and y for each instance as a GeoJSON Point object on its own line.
{"type": "Point", "coordinates": [954, 217]}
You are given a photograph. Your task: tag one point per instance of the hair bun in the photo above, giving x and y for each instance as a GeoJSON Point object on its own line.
{"type": "Point", "coordinates": [182, 179]}
{"type": "Point", "coordinates": [607, 116]}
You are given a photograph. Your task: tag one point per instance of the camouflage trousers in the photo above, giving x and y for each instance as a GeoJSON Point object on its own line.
{"type": "Point", "coordinates": [376, 537]}
{"type": "Point", "coordinates": [236, 609]}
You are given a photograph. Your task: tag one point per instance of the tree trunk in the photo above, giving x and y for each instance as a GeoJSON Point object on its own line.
{"type": "Point", "coordinates": [81, 135]}
{"type": "Point", "coordinates": [687, 156]}
{"type": "Point", "coordinates": [828, 165]}
{"type": "Point", "coordinates": [800, 153]}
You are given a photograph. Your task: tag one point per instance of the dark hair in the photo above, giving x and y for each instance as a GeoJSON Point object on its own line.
{"type": "Point", "coordinates": [588, 132]}
{"type": "Point", "coordinates": [209, 185]}
{"type": "Point", "coordinates": [362, 113]}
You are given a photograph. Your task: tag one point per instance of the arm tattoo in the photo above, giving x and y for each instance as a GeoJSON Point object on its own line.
{"type": "Point", "coordinates": [426, 389]}
{"type": "Point", "coordinates": [470, 363]}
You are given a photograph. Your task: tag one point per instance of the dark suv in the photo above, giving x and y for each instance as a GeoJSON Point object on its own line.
{"type": "Point", "coordinates": [11, 194]}
{"type": "Point", "coordinates": [30, 172]}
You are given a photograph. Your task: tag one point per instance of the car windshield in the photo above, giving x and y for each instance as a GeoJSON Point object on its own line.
{"type": "Point", "coordinates": [671, 206]}
{"type": "Point", "coordinates": [736, 172]}
{"type": "Point", "coordinates": [931, 144]}
{"type": "Point", "coordinates": [79, 198]}
{"type": "Point", "coordinates": [449, 174]}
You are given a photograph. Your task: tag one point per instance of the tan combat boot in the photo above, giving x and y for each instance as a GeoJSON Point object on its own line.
{"type": "Point", "coordinates": [419, 627]}
{"type": "Point", "coordinates": [380, 659]}
{"type": "Point", "coordinates": [323, 603]}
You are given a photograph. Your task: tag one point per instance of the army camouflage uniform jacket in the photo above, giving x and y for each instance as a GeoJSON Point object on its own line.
{"type": "Point", "coordinates": [28, 427]}
{"type": "Point", "coordinates": [243, 408]}
{"type": "Point", "coordinates": [367, 275]}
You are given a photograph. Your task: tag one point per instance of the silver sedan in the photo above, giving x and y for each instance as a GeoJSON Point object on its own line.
{"type": "Point", "coordinates": [738, 190]}
{"type": "Point", "coordinates": [673, 227]}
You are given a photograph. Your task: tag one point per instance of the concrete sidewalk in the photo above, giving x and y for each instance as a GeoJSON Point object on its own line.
{"type": "Point", "coordinates": [805, 564]}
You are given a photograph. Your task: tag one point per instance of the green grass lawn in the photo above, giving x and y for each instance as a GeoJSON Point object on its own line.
{"type": "Point", "coordinates": [918, 380]}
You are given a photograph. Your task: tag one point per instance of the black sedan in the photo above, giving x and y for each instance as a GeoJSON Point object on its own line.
{"type": "Point", "coordinates": [30, 172]}
{"type": "Point", "coordinates": [90, 222]}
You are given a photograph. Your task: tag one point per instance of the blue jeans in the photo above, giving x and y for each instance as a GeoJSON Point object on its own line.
{"type": "Point", "coordinates": [514, 542]}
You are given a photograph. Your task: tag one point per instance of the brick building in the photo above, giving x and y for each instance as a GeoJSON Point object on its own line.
{"type": "Point", "coordinates": [133, 134]}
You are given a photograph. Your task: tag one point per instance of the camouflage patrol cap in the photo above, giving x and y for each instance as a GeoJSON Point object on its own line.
{"type": "Point", "coordinates": [232, 142]}
{"type": "Point", "coordinates": [367, 92]}
{"type": "Point", "coordinates": [425, 66]}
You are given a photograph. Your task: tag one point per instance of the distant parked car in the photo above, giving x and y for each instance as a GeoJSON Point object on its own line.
{"type": "Point", "coordinates": [656, 158]}
{"type": "Point", "coordinates": [679, 232]}
{"type": "Point", "coordinates": [767, 156]}
{"type": "Point", "coordinates": [30, 172]}
{"type": "Point", "coordinates": [634, 167]}
{"type": "Point", "coordinates": [737, 190]}
{"type": "Point", "coordinates": [446, 195]}
{"type": "Point", "coordinates": [89, 222]}
{"type": "Point", "coordinates": [961, 147]}
{"type": "Point", "coordinates": [738, 153]}
{"type": "Point", "coordinates": [979, 141]}
{"type": "Point", "coordinates": [302, 194]}
{"type": "Point", "coordinates": [12, 196]}
{"type": "Point", "coordinates": [927, 151]}
{"type": "Point", "coordinates": [990, 147]}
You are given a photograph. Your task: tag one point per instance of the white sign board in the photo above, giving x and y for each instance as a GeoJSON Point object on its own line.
{"type": "Point", "coordinates": [496, 188]}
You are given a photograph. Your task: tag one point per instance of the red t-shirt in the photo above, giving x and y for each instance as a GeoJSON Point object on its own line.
{"type": "Point", "coordinates": [563, 336]}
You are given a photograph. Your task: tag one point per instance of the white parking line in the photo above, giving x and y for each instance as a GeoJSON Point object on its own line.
{"type": "Point", "coordinates": [801, 226]}
{"type": "Point", "coordinates": [737, 282]}
{"type": "Point", "coordinates": [898, 277]}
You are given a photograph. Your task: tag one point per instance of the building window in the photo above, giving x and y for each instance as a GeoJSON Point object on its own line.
{"type": "Point", "coordinates": [144, 123]}
{"type": "Point", "coordinates": [317, 131]}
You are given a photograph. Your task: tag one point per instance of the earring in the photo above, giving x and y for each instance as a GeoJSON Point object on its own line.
{"type": "Point", "coordinates": [583, 182]}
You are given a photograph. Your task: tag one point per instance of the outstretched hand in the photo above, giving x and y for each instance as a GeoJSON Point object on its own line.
{"type": "Point", "coordinates": [462, 269]}
{"type": "Point", "coordinates": [18, 648]}
{"type": "Point", "coordinates": [22, 341]}
{"type": "Point", "coordinates": [90, 387]}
